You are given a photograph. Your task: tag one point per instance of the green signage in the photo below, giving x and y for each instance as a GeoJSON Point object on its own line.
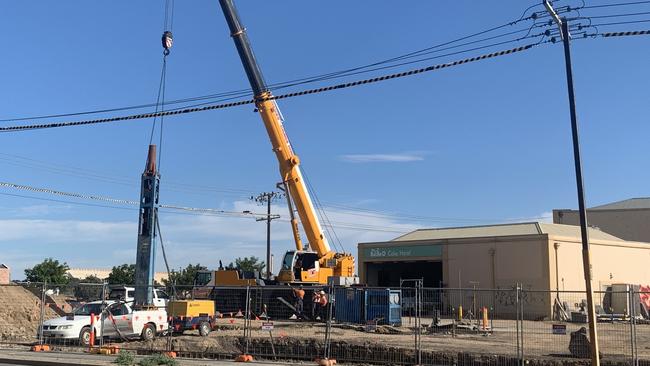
{"type": "Point", "coordinates": [403, 251]}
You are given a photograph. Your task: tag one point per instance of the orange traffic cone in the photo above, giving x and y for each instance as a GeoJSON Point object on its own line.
{"type": "Point", "coordinates": [244, 358]}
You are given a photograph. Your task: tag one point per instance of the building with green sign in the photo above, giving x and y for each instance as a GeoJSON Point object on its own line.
{"type": "Point", "coordinates": [538, 256]}
{"type": "Point", "coordinates": [541, 256]}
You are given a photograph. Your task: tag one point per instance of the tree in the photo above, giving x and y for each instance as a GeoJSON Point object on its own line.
{"type": "Point", "coordinates": [247, 264]}
{"type": "Point", "coordinates": [122, 275]}
{"type": "Point", "coordinates": [91, 279]}
{"type": "Point", "coordinates": [50, 270]}
{"type": "Point", "coordinates": [185, 277]}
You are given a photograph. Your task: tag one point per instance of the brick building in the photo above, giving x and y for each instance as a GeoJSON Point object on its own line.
{"type": "Point", "coordinates": [5, 274]}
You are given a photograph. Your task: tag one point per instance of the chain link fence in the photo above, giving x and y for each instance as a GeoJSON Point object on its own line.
{"type": "Point", "coordinates": [396, 326]}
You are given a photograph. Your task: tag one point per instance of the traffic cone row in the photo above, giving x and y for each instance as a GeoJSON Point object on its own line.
{"type": "Point", "coordinates": [325, 361]}
{"type": "Point", "coordinates": [244, 358]}
{"type": "Point", "coordinates": [41, 348]}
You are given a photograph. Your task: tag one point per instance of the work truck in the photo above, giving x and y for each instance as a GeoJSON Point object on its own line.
{"type": "Point", "coordinates": [120, 321]}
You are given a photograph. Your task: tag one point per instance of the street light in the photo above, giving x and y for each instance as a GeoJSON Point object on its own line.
{"type": "Point", "coordinates": [262, 198]}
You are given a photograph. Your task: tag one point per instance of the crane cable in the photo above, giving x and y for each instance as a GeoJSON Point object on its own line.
{"type": "Point", "coordinates": [167, 41]}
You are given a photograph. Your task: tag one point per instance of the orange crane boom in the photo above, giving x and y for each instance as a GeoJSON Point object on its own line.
{"type": "Point", "coordinates": [330, 263]}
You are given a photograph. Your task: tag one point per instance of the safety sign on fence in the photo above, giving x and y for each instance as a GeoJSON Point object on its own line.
{"type": "Point", "coordinates": [559, 329]}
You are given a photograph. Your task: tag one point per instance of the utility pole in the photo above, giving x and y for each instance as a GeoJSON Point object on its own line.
{"type": "Point", "coordinates": [586, 260]}
{"type": "Point", "coordinates": [262, 198]}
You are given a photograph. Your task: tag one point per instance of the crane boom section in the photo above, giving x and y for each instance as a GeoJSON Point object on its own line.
{"type": "Point", "coordinates": [288, 160]}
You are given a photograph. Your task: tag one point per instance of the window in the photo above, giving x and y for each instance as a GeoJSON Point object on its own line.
{"type": "Point", "coordinates": [117, 294]}
{"type": "Point", "coordinates": [118, 309]}
{"type": "Point", "coordinates": [203, 278]}
{"type": "Point", "coordinates": [162, 294]}
{"type": "Point", "coordinates": [88, 309]}
{"type": "Point", "coordinates": [287, 263]}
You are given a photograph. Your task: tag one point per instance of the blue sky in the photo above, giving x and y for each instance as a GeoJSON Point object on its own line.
{"type": "Point", "coordinates": [480, 143]}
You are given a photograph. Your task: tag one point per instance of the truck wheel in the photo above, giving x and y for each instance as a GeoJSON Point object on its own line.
{"type": "Point", "coordinates": [84, 336]}
{"type": "Point", "coordinates": [204, 329]}
{"type": "Point", "coordinates": [148, 332]}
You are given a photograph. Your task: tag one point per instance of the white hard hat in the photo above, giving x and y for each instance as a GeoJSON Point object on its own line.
{"type": "Point", "coordinates": [322, 292]}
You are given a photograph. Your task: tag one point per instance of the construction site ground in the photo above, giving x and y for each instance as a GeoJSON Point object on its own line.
{"type": "Point", "coordinates": [539, 343]}
{"type": "Point", "coordinates": [20, 313]}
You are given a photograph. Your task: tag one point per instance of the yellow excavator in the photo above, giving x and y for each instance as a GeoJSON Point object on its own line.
{"type": "Point", "coordinates": [316, 263]}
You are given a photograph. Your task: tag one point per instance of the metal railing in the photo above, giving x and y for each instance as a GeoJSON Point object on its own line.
{"type": "Point", "coordinates": [408, 325]}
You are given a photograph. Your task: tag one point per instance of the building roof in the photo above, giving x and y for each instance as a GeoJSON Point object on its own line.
{"type": "Point", "coordinates": [632, 203]}
{"type": "Point", "coordinates": [4, 266]}
{"type": "Point", "coordinates": [523, 228]}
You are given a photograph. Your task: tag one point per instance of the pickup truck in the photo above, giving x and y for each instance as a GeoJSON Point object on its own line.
{"type": "Point", "coordinates": [125, 294]}
{"type": "Point", "coordinates": [120, 321]}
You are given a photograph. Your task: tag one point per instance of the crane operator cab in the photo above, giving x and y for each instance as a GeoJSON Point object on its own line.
{"type": "Point", "coordinates": [300, 266]}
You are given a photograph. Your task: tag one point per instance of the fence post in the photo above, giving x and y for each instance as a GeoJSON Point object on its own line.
{"type": "Point", "coordinates": [328, 324]}
{"type": "Point", "coordinates": [633, 338]}
{"type": "Point", "coordinates": [520, 355]}
{"type": "Point", "coordinates": [42, 315]}
{"type": "Point", "coordinates": [247, 316]}
{"type": "Point", "coordinates": [418, 321]}
{"type": "Point", "coordinates": [103, 315]}
{"type": "Point", "coordinates": [521, 305]}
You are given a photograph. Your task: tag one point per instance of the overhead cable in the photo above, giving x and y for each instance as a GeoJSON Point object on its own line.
{"type": "Point", "coordinates": [282, 96]}
{"type": "Point", "coordinates": [300, 81]}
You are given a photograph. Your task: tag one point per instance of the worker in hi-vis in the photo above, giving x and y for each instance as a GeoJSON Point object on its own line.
{"type": "Point", "coordinates": [299, 295]}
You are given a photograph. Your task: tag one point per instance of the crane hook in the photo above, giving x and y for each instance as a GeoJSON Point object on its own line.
{"type": "Point", "coordinates": [167, 42]}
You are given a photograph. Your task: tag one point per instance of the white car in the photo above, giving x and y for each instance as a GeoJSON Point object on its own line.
{"type": "Point", "coordinates": [120, 321]}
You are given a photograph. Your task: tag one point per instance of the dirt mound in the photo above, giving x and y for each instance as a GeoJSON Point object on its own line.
{"type": "Point", "coordinates": [20, 312]}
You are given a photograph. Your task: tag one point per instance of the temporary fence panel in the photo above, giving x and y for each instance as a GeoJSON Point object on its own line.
{"type": "Point", "coordinates": [440, 326]}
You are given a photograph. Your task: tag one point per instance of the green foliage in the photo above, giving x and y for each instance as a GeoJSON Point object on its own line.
{"type": "Point", "coordinates": [122, 275]}
{"type": "Point", "coordinates": [49, 270]}
{"type": "Point", "coordinates": [158, 359]}
{"type": "Point", "coordinates": [91, 279]}
{"type": "Point", "coordinates": [185, 277]}
{"type": "Point", "coordinates": [251, 263]}
{"type": "Point", "coordinates": [125, 358]}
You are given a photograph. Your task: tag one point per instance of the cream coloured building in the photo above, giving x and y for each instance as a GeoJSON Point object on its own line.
{"type": "Point", "coordinates": [102, 273]}
{"type": "Point", "coordinates": [627, 219]}
{"type": "Point", "coordinates": [539, 256]}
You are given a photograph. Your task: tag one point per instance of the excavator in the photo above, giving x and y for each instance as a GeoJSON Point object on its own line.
{"type": "Point", "coordinates": [315, 263]}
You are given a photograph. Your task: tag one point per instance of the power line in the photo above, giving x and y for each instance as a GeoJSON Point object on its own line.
{"type": "Point", "coordinates": [278, 97]}
{"type": "Point", "coordinates": [625, 34]}
{"type": "Point", "coordinates": [614, 5]}
{"type": "Point", "coordinates": [622, 23]}
{"type": "Point", "coordinates": [299, 81]}
{"type": "Point", "coordinates": [188, 211]}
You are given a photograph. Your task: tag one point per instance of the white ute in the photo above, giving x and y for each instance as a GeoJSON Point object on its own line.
{"type": "Point", "coordinates": [120, 321]}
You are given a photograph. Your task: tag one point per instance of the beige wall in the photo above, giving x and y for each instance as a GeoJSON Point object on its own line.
{"type": "Point", "coordinates": [631, 225]}
{"type": "Point", "coordinates": [517, 260]}
{"type": "Point", "coordinates": [102, 273]}
{"type": "Point", "coordinates": [625, 262]}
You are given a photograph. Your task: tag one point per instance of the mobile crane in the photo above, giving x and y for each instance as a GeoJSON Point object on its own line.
{"type": "Point", "coordinates": [317, 264]}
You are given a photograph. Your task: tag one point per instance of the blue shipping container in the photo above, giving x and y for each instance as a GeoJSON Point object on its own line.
{"type": "Point", "coordinates": [384, 306]}
{"type": "Point", "coordinates": [349, 305]}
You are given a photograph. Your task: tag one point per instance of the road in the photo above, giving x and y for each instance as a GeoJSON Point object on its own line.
{"type": "Point", "coordinates": [12, 357]}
